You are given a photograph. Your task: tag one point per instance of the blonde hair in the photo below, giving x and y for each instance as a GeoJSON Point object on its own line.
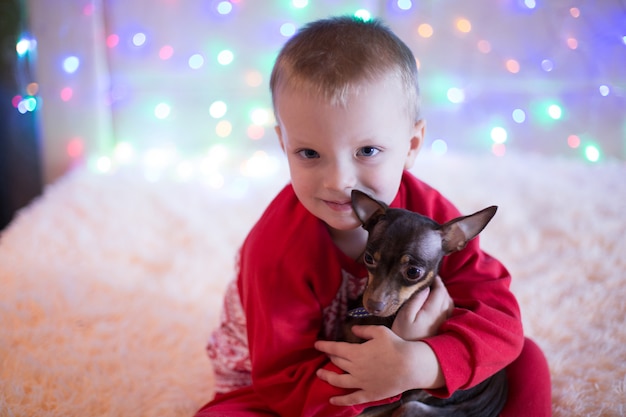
{"type": "Point", "coordinates": [332, 58]}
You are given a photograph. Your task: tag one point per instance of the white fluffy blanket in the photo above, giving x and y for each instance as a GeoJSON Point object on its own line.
{"type": "Point", "coordinates": [110, 284]}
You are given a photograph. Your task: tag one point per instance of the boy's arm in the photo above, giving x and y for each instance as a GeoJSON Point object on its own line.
{"type": "Point", "coordinates": [400, 364]}
{"type": "Point", "coordinates": [284, 317]}
{"type": "Point", "coordinates": [482, 335]}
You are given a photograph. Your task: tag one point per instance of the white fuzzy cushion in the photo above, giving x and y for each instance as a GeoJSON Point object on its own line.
{"type": "Point", "coordinates": [110, 284]}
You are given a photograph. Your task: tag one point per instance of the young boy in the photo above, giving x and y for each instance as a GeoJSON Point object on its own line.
{"type": "Point", "coordinates": [346, 98]}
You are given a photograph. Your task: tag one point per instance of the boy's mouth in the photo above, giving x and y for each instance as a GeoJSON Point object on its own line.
{"type": "Point", "coordinates": [339, 206]}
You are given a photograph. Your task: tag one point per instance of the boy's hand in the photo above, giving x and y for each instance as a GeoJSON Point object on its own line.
{"type": "Point", "coordinates": [379, 368]}
{"type": "Point", "coordinates": [382, 367]}
{"type": "Point", "coordinates": [422, 315]}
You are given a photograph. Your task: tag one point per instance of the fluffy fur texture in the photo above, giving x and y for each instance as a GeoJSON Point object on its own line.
{"type": "Point", "coordinates": [110, 285]}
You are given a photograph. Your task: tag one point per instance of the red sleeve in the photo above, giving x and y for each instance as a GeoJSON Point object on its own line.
{"type": "Point", "coordinates": [484, 333]}
{"type": "Point", "coordinates": [287, 276]}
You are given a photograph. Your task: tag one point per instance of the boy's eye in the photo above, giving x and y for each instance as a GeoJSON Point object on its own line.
{"type": "Point", "coordinates": [368, 151]}
{"type": "Point", "coordinates": [308, 154]}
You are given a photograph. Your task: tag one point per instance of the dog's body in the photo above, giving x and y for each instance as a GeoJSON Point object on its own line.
{"type": "Point", "coordinates": [403, 254]}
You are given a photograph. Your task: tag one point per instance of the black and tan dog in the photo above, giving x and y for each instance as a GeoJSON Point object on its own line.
{"type": "Point", "coordinates": [403, 254]}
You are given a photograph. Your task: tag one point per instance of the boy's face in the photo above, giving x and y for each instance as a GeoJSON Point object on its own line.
{"type": "Point", "coordinates": [332, 150]}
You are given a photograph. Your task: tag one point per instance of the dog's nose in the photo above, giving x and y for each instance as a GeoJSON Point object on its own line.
{"type": "Point", "coordinates": [375, 307]}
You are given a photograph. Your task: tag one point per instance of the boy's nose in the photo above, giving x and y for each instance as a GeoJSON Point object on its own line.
{"type": "Point", "coordinates": [340, 177]}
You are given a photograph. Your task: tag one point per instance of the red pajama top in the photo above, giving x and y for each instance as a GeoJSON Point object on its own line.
{"type": "Point", "coordinates": [293, 286]}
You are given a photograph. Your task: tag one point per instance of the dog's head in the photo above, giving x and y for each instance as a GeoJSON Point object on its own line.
{"type": "Point", "coordinates": [404, 249]}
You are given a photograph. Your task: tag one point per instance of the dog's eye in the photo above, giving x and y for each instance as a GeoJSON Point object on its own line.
{"type": "Point", "coordinates": [413, 273]}
{"type": "Point", "coordinates": [368, 259]}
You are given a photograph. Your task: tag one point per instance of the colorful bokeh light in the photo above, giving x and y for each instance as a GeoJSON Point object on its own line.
{"type": "Point", "coordinates": [556, 90]}
{"type": "Point", "coordinates": [225, 57]}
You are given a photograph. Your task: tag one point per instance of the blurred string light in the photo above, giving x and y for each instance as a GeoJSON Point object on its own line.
{"type": "Point", "coordinates": [261, 119]}
{"type": "Point", "coordinates": [604, 90]}
{"type": "Point", "coordinates": [499, 134]}
{"type": "Point", "coordinates": [484, 46]}
{"type": "Point", "coordinates": [547, 65]}
{"type": "Point", "coordinates": [75, 148]}
{"type": "Point", "coordinates": [123, 153]}
{"type": "Point", "coordinates": [555, 111]}
{"type": "Point", "coordinates": [439, 147]}
{"type": "Point", "coordinates": [26, 48]}
{"type": "Point", "coordinates": [102, 164]}
{"type": "Point", "coordinates": [572, 43]}
{"type": "Point", "coordinates": [218, 109]}
{"type": "Point", "coordinates": [196, 61]}
{"type": "Point", "coordinates": [463, 25]}
{"type": "Point", "coordinates": [24, 104]}
{"type": "Point", "coordinates": [224, 7]}
{"type": "Point", "coordinates": [254, 78]}
{"type": "Point", "coordinates": [404, 4]}
{"type": "Point", "coordinates": [112, 40]}
{"type": "Point", "coordinates": [66, 93]}
{"type": "Point", "coordinates": [162, 110]}
{"type": "Point", "coordinates": [425, 30]}
{"type": "Point", "coordinates": [225, 57]}
{"type": "Point", "coordinates": [261, 116]}
{"type": "Point", "coordinates": [88, 9]}
{"type": "Point", "coordinates": [287, 29]}
{"type": "Point", "coordinates": [139, 39]}
{"type": "Point", "coordinates": [223, 129]}
{"type": "Point", "coordinates": [531, 4]}
{"type": "Point", "coordinates": [71, 64]}
{"type": "Point", "coordinates": [25, 45]}
{"type": "Point", "coordinates": [518, 115]}
{"type": "Point", "coordinates": [456, 95]}
{"type": "Point", "coordinates": [498, 149]}
{"type": "Point", "coordinates": [547, 111]}
{"type": "Point", "coordinates": [512, 66]}
{"type": "Point", "coordinates": [300, 4]}
{"type": "Point", "coordinates": [573, 141]}
{"type": "Point", "coordinates": [363, 14]}
{"type": "Point", "coordinates": [166, 52]}
{"type": "Point", "coordinates": [592, 153]}
{"type": "Point", "coordinates": [255, 132]}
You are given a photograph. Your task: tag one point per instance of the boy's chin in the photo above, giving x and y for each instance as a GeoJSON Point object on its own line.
{"type": "Point", "coordinates": [343, 226]}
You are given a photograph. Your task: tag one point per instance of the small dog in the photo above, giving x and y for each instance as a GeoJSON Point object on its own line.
{"type": "Point", "coordinates": [402, 257]}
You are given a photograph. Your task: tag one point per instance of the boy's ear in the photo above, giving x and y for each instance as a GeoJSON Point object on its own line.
{"type": "Point", "coordinates": [417, 138]}
{"type": "Point", "coordinates": [279, 133]}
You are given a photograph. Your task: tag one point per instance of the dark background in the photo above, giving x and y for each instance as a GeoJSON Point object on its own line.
{"type": "Point", "coordinates": [20, 170]}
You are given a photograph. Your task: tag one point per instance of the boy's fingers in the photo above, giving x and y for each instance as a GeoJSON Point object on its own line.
{"type": "Point", "coordinates": [366, 332]}
{"type": "Point", "coordinates": [414, 305]}
{"type": "Point", "coordinates": [354, 398]}
{"type": "Point", "coordinates": [440, 299]}
{"type": "Point", "coordinates": [332, 348]}
{"type": "Point", "coordinates": [335, 379]}
{"type": "Point", "coordinates": [347, 400]}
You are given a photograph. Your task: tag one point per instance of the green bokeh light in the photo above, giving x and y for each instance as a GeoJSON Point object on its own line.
{"type": "Point", "coordinates": [592, 153]}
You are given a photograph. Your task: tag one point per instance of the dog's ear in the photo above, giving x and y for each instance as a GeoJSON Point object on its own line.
{"type": "Point", "coordinates": [457, 232]}
{"type": "Point", "coordinates": [367, 209]}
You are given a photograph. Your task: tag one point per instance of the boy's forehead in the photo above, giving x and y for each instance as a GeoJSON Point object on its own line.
{"type": "Point", "coordinates": [364, 108]}
{"type": "Point", "coordinates": [336, 95]}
